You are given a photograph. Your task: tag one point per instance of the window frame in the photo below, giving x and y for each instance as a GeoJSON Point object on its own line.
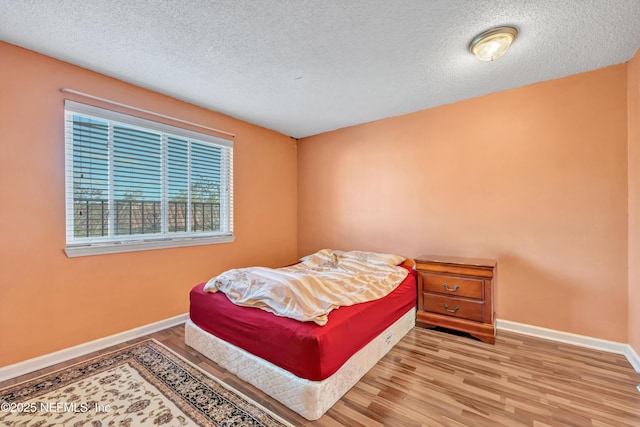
{"type": "Point", "coordinates": [129, 243]}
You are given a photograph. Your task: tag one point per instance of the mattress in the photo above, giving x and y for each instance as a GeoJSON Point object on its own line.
{"type": "Point", "coordinates": [311, 399]}
{"type": "Point", "coordinates": [305, 349]}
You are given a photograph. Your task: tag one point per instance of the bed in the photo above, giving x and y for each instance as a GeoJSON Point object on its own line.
{"type": "Point", "coordinates": [305, 366]}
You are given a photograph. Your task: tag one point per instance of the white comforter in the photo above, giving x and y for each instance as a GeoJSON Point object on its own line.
{"type": "Point", "coordinates": [308, 291]}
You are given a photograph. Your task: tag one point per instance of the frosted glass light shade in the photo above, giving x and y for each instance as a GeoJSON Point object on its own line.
{"type": "Point", "coordinates": [492, 44]}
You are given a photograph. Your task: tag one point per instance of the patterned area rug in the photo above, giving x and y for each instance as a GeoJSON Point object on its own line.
{"type": "Point", "coordinates": [145, 384]}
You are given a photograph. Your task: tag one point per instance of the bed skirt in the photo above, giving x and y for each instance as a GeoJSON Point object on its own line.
{"type": "Point", "coordinates": [311, 399]}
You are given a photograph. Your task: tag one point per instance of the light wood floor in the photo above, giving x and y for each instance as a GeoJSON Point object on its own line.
{"type": "Point", "coordinates": [433, 378]}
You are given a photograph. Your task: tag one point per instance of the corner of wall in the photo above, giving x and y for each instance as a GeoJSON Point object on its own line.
{"type": "Point", "coordinates": [633, 159]}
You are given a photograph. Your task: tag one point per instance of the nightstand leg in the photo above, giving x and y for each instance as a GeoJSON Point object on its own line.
{"type": "Point", "coordinates": [489, 339]}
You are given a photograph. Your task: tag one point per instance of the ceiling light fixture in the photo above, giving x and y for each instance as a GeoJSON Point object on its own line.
{"type": "Point", "coordinates": [493, 43]}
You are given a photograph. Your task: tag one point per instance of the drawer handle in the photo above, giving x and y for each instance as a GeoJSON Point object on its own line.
{"type": "Point", "coordinates": [456, 308]}
{"type": "Point", "coordinates": [447, 288]}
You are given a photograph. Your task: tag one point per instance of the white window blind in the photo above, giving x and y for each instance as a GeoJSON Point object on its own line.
{"type": "Point", "coordinates": [136, 184]}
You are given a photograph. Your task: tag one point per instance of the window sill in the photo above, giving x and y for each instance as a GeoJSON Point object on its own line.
{"type": "Point", "coordinates": [142, 245]}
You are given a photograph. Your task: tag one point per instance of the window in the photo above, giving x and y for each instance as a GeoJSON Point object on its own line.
{"type": "Point", "coordinates": [134, 184]}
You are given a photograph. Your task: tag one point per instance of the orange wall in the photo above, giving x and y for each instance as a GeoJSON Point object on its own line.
{"type": "Point", "coordinates": [633, 99]}
{"type": "Point", "coordinates": [535, 177]}
{"type": "Point", "coordinates": [50, 302]}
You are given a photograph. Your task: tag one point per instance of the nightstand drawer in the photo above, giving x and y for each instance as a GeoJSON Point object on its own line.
{"type": "Point", "coordinates": [452, 285]}
{"type": "Point", "coordinates": [456, 307]}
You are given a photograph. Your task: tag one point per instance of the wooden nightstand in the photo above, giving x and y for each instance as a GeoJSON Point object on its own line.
{"type": "Point", "coordinates": [457, 293]}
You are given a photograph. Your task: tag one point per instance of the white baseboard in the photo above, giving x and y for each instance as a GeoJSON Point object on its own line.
{"type": "Point", "coordinates": [47, 360]}
{"type": "Point", "coordinates": [633, 358]}
{"type": "Point", "coordinates": [569, 338]}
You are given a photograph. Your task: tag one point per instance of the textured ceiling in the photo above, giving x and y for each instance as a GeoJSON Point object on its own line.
{"type": "Point", "coordinates": [303, 67]}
